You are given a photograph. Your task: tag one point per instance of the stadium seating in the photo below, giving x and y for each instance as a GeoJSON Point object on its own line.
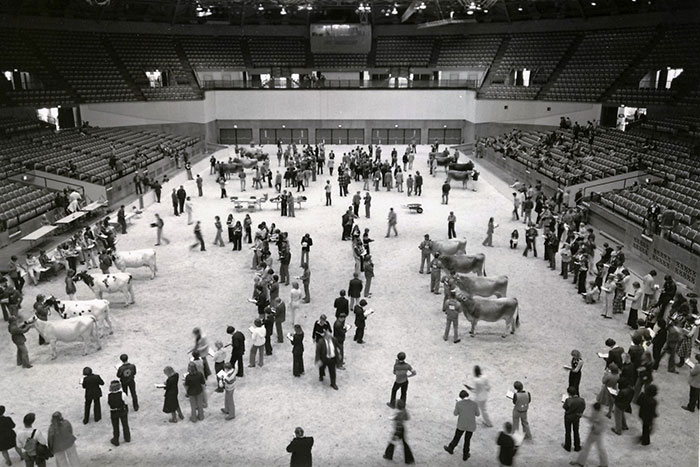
{"type": "Point", "coordinates": [213, 53]}
{"type": "Point", "coordinates": [406, 51]}
{"type": "Point", "coordinates": [19, 202]}
{"type": "Point", "coordinates": [340, 61]}
{"type": "Point", "coordinates": [277, 51]}
{"type": "Point", "coordinates": [468, 51]}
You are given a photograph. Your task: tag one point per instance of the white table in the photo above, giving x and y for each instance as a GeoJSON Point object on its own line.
{"type": "Point", "coordinates": [94, 206]}
{"type": "Point", "coordinates": [71, 218]}
{"type": "Point", "coordinates": [39, 233]}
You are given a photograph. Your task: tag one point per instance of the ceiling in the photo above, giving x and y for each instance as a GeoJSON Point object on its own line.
{"type": "Point", "coordinates": [301, 12]}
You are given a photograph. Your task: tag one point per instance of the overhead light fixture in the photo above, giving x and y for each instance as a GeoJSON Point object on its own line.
{"type": "Point", "coordinates": [469, 12]}
{"type": "Point", "coordinates": [520, 8]}
{"type": "Point", "coordinates": [593, 3]}
{"type": "Point", "coordinates": [309, 7]}
{"type": "Point", "coordinates": [452, 14]}
{"type": "Point", "coordinates": [394, 11]}
{"type": "Point", "coordinates": [283, 11]}
{"type": "Point", "coordinates": [486, 10]}
{"type": "Point", "coordinates": [260, 7]}
{"type": "Point", "coordinates": [422, 6]}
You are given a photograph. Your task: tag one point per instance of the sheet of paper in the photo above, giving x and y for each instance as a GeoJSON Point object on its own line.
{"type": "Point", "coordinates": [510, 394]}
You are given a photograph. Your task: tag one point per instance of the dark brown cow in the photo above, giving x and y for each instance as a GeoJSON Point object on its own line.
{"type": "Point", "coordinates": [464, 263]}
{"type": "Point", "coordinates": [477, 309]}
{"type": "Point", "coordinates": [462, 167]}
{"type": "Point", "coordinates": [480, 286]}
{"type": "Point", "coordinates": [453, 246]}
{"type": "Point", "coordinates": [459, 176]}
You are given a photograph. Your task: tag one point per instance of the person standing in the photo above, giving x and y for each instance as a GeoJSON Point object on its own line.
{"type": "Point", "coordinates": [181, 197]}
{"type": "Point", "coordinates": [506, 443]}
{"type": "Point", "coordinates": [402, 371]}
{"type": "Point", "coordinates": [480, 390]}
{"type": "Point", "coordinates": [425, 250]}
{"type": "Point", "coordinates": [327, 188]}
{"type": "Point", "coordinates": [61, 441]}
{"type": "Point", "coordinates": [126, 374]}
{"type": "Point", "coordinates": [222, 186]}
{"type": "Point", "coordinates": [341, 304]}
{"type": "Point", "coordinates": [452, 311]}
{"type": "Point", "coordinates": [595, 436]}
{"type": "Point", "coordinates": [649, 289]}
{"type": "Point", "coordinates": [290, 204]}
{"type": "Point", "coordinates": [158, 224]}
{"type": "Point", "coordinates": [194, 384]}
{"type": "Point", "coordinates": [280, 315]}
{"type": "Point", "coordinates": [297, 340]}
{"type": "Point", "coordinates": [647, 412]}
{"type": "Point", "coordinates": [237, 349]}
{"type": "Point", "coordinates": [173, 198]}
{"type": "Point", "coordinates": [201, 346]}
{"type": "Point", "coordinates": [446, 192]}
{"type": "Point", "coordinates": [360, 320]}
{"type": "Point", "coordinates": [409, 185]}
{"type": "Point", "coordinates": [635, 299]}
{"type": "Point", "coordinates": [320, 326]}
{"type": "Point", "coordinates": [339, 332]}
{"type": "Point", "coordinates": [306, 244]}
{"type": "Point", "coordinates": [285, 259]}
{"type": "Point", "coordinates": [400, 419]}
{"type": "Point", "coordinates": [356, 204]}
{"type": "Point", "coordinates": [623, 401]}
{"type": "Point", "coordinates": [269, 324]}
{"type": "Point", "coordinates": [170, 403]}
{"type": "Point", "coordinates": [574, 406]}
{"type": "Point", "coordinates": [466, 411]}
{"type": "Point", "coordinates": [199, 238]}
{"type": "Point", "coordinates": [229, 386]}
{"type": "Point", "coordinates": [435, 273]}
{"type": "Point", "coordinates": [694, 382]}
{"type": "Point", "coordinates": [29, 450]}
{"type": "Point", "coordinates": [301, 445]}
{"type": "Point", "coordinates": [516, 207]}
{"type": "Point", "coordinates": [355, 289]}
{"type": "Point", "coordinates": [199, 181]}
{"type": "Point", "coordinates": [369, 274]}
{"type": "Point", "coordinates": [17, 331]}
{"type": "Point", "coordinates": [91, 383]}
{"type": "Point", "coordinates": [121, 218]}
{"type": "Point", "coordinates": [488, 241]}
{"type": "Point", "coordinates": [531, 240]}
{"type": "Point", "coordinates": [391, 223]}
{"type": "Point", "coordinates": [306, 280]}
{"type": "Point", "coordinates": [575, 369]}
{"type": "Point", "coordinates": [218, 240]}
{"type": "Point", "coordinates": [247, 222]}
{"type": "Point", "coordinates": [368, 204]}
{"type": "Point", "coordinates": [294, 302]}
{"type": "Point", "coordinates": [189, 209]}
{"type": "Point", "coordinates": [257, 332]}
{"type": "Point", "coordinates": [451, 220]}
{"type": "Point", "coordinates": [521, 403]}
{"type": "Point", "coordinates": [419, 183]}
{"type": "Point", "coordinates": [327, 356]}
{"type": "Point", "coordinates": [119, 412]}
{"type": "Point", "coordinates": [8, 437]}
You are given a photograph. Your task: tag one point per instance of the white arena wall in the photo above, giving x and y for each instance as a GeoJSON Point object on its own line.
{"type": "Point", "coordinates": [351, 108]}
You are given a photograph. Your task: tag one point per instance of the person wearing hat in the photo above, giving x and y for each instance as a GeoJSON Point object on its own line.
{"type": "Point", "coordinates": [466, 411]}
{"type": "Point", "coordinates": [320, 326]}
{"type": "Point", "coordinates": [360, 320]}
{"type": "Point", "coordinates": [424, 248]}
{"type": "Point", "coordinates": [402, 371]}
{"type": "Point", "coordinates": [328, 354]}
{"type": "Point", "coordinates": [118, 411]}
{"type": "Point", "coordinates": [91, 383]}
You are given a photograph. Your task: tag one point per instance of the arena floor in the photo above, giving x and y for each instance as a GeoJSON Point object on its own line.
{"type": "Point", "coordinates": [351, 426]}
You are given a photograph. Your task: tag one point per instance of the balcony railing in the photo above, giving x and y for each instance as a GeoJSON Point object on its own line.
{"type": "Point", "coordinates": [341, 84]}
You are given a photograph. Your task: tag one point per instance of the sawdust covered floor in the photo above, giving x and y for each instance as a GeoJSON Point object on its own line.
{"type": "Point", "coordinates": [351, 426]}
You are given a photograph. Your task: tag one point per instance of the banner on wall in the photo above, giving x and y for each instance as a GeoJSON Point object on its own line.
{"type": "Point", "coordinates": [341, 38]}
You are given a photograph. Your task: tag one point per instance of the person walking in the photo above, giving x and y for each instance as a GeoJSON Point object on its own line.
{"type": "Point", "coordinates": [419, 183]}
{"type": "Point", "coordinates": [391, 223]}
{"type": "Point", "coordinates": [521, 403]}
{"type": "Point", "coordinates": [91, 383]}
{"type": "Point", "coordinates": [488, 241]}
{"type": "Point", "coordinates": [297, 340]}
{"type": "Point", "coordinates": [229, 386]}
{"type": "Point", "coordinates": [199, 238]}
{"type": "Point", "coordinates": [451, 220]}
{"type": "Point", "coordinates": [199, 181]}
{"type": "Point", "coordinates": [647, 412]}
{"type": "Point", "coordinates": [119, 412]}
{"type": "Point", "coordinates": [306, 244]}
{"type": "Point", "coordinates": [369, 274]}
{"type": "Point", "coordinates": [218, 240]}
{"type": "Point", "coordinates": [300, 446]}
{"type": "Point", "coordinates": [222, 186]}
{"type": "Point", "coordinates": [400, 418]}
{"type": "Point", "coordinates": [452, 311]}
{"type": "Point", "coordinates": [367, 200]}
{"type": "Point", "coordinates": [466, 411]}
{"type": "Point", "coordinates": [8, 437]}
{"type": "Point", "coordinates": [573, 406]}
{"type": "Point", "coordinates": [425, 250]}
{"type": "Point", "coordinates": [402, 371]}
{"type": "Point", "coordinates": [237, 349]}
{"type": "Point", "coordinates": [595, 436]}
{"type": "Point", "coordinates": [127, 374]}
{"type": "Point", "coordinates": [354, 290]}
{"type": "Point", "coordinates": [327, 356]}
{"type": "Point", "coordinates": [61, 441]}
{"type": "Point", "coordinates": [158, 224]}
{"type": "Point", "coordinates": [194, 384]}
{"type": "Point", "coordinates": [170, 404]}
{"type": "Point", "coordinates": [446, 192]}
{"type": "Point", "coordinates": [480, 389]}
{"type": "Point", "coordinates": [306, 280]}
{"type": "Point", "coordinates": [28, 441]}
{"type": "Point", "coordinates": [257, 332]}
{"type": "Point", "coordinates": [201, 347]}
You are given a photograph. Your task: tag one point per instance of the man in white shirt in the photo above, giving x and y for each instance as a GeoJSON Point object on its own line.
{"type": "Point", "coordinates": [649, 288]}
{"type": "Point", "coordinates": [258, 341]}
{"type": "Point", "coordinates": [21, 441]}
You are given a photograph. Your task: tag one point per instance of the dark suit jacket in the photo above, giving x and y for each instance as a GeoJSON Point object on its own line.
{"type": "Point", "coordinates": [341, 305]}
{"type": "Point", "coordinates": [237, 343]}
{"type": "Point", "coordinates": [92, 385]}
{"type": "Point", "coordinates": [615, 356]}
{"type": "Point", "coordinates": [301, 451]}
{"type": "Point", "coordinates": [322, 350]}
{"type": "Point", "coordinates": [359, 315]}
{"type": "Point", "coordinates": [355, 288]}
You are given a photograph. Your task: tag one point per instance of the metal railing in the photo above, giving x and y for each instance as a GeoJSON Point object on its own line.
{"type": "Point", "coordinates": [341, 84]}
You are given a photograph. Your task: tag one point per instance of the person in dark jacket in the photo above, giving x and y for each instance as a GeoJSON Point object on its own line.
{"type": "Point", "coordinates": [341, 304]}
{"type": "Point", "coordinates": [574, 406]}
{"type": "Point", "coordinates": [298, 351]}
{"type": "Point", "coordinates": [300, 447]}
{"type": "Point", "coordinates": [360, 320]}
{"type": "Point", "coordinates": [93, 393]}
{"type": "Point", "coordinates": [339, 332]}
{"type": "Point", "coordinates": [174, 200]}
{"type": "Point", "coordinates": [623, 399]}
{"type": "Point", "coordinates": [647, 412]}
{"type": "Point", "coordinates": [119, 412]}
{"type": "Point", "coordinates": [320, 326]}
{"type": "Point", "coordinates": [171, 404]}
{"type": "Point", "coordinates": [506, 442]}
{"type": "Point", "coordinates": [8, 437]}
{"type": "Point", "coordinates": [181, 197]}
{"type": "Point", "coordinates": [126, 374]}
{"type": "Point", "coordinates": [306, 243]}
{"type": "Point", "coordinates": [237, 349]}
{"type": "Point", "coordinates": [355, 289]}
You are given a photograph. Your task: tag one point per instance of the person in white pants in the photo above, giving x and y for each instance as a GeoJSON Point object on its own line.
{"type": "Point", "coordinates": [480, 394]}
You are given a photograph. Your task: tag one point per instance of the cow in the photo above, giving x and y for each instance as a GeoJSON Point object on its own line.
{"type": "Point", "coordinates": [480, 286]}
{"type": "Point", "coordinates": [253, 153]}
{"type": "Point", "coordinates": [459, 176]}
{"type": "Point", "coordinates": [67, 309]}
{"type": "Point", "coordinates": [464, 167]}
{"type": "Point", "coordinates": [453, 246]}
{"type": "Point", "coordinates": [109, 283]}
{"type": "Point", "coordinates": [464, 263]}
{"type": "Point", "coordinates": [490, 310]}
{"type": "Point", "coordinates": [136, 259]}
{"type": "Point", "coordinates": [246, 163]}
{"type": "Point", "coordinates": [70, 330]}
